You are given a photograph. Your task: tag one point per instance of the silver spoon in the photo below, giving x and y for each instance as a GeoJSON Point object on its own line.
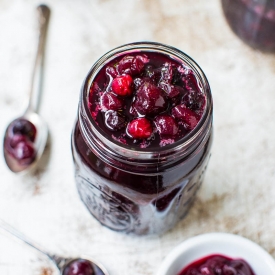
{"type": "Point", "coordinates": [63, 264]}
{"type": "Point", "coordinates": [25, 138]}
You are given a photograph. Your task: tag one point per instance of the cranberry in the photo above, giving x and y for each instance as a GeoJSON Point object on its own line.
{"type": "Point", "coordinates": [139, 128]}
{"type": "Point", "coordinates": [122, 85]}
{"type": "Point", "coordinates": [132, 65]}
{"type": "Point", "coordinates": [114, 121]}
{"type": "Point", "coordinates": [14, 140]}
{"type": "Point", "coordinates": [182, 113]}
{"type": "Point", "coordinates": [24, 152]}
{"type": "Point", "coordinates": [150, 100]}
{"type": "Point", "coordinates": [110, 101]}
{"type": "Point", "coordinates": [22, 127]}
{"type": "Point", "coordinates": [166, 125]}
{"type": "Point", "coordinates": [79, 267]}
{"type": "Point", "coordinates": [193, 100]}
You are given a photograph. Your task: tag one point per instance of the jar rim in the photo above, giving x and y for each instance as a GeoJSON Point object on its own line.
{"type": "Point", "coordinates": [145, 46]}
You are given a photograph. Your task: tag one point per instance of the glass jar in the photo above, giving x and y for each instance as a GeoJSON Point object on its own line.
{"type": "Point", "coordinates": [137, 190]}
{"type": "Point", "coordinates": [253, 21]}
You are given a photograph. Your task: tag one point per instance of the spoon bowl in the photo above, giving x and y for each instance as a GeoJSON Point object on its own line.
{"type": "Point", "coordinates": [64, 266]}
{"type": "Point", "coordinates": [18, 159]}
{"type": "Point", "coordinates": [26, 136]}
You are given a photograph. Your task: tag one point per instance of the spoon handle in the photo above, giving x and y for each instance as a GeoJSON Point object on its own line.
{"type": "Point", "coordinates": [8, 228]}
{"type": "Point", "coordinates": [36, 80]}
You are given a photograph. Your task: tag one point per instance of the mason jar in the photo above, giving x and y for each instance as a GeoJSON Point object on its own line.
{"type": "Point", "coordinates": [253, 21]}
{"type": "Point", "coordinates": [139, 190]}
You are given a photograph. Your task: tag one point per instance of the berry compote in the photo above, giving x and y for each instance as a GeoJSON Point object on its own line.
{"type": "Point", "coordinates": [218, 265]}
{"type": "Point", "coordinates": [82, 267]}
{"type": "Point", "coordinates": [142, 138]}
{"type": "Point", "coordinates": [253, 21]}
{"type": "Point", "coordinates": [19, 144]}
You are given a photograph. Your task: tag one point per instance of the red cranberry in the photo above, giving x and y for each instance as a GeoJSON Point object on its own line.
{"type": "Point", "coordinates": [122, 85]}
{"type": "Point", "coordinates": [132, 65]}
{"type": "Point", "coordinates": [24, 152]}
{"type": "Point", "coordinates": [79, 267]}
{"type": "Point", "coordinates": [14, 140]}
{"type": "Point", "coordinates": [22, 127]}
{"type": "Point", "coordinates": [139, 128]}
{"type": "Point", "coordinates": [110, 101]}
{"type": "Point", "coordinates": [150, 100]}
{"type": "Point", "coordinates": [182, 113]}
{"type": "Point", "coordinates": [166, 125]}
{"type": "Point", "coordinates": [114, 121]}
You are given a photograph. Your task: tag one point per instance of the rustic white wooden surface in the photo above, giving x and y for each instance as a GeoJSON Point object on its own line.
{"type": "Point", "coordinates": [238, 194]}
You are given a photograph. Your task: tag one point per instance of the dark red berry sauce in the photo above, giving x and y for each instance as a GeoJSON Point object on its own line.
{"type": "Point", "coordinates": [217, 265]}
{"type": "Point", "coordinates": [82, 267]}
{"type": "Point", "coordinates": [136, 169]}
{"type": "Point", "coordinates": [253, 21]}
{"type": "Point", "coordinates": [146, 100]}
{"type": "Point", "coordinates": [19, 143]}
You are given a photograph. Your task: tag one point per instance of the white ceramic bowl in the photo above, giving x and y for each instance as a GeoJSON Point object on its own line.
{"type": "Point", "coordinates": [230, 245]}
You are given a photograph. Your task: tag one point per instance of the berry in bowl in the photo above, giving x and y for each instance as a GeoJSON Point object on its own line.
{"type": "Point", "coordinates": [142, 138]}
{"type": "Point", "coordinates": [217, 254]}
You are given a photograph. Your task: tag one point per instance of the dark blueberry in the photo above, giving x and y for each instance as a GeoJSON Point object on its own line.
{"type": "Point", "coordinates": [22, 127]}
{"type": "Point", "coordinates": [138, 64]}
{"type": "Point", "coordinates": [79, 267]}
{"type": "Point", "coordinates": [139, 128]}
{"type": "Point", "coordinates": [110, 101]}
{"type": "Point", "coordinates": [190, 81]}
{"type": "Point", "coordinates": [24, 152]}
{"type": "Point", "coordinates": [166, 125]}
{"type": "Point", "coordinates": [150, 100]}
{"type": "Point", "coordinates": [194, 100]}
{"type": "Point", "coordinates": [187, 116]}
{"type": "Point", "coordinates": [114, 121]}
{"type": "Point", "coordinates": [132, 65]}
{"type": "Point", "coordinates": [122, 85]}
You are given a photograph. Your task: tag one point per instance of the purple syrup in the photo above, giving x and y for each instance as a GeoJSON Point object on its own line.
{"type": "Point", "coordinates": [217, 265]}
{"type": "Point", "coordinates": [253, 21]}
{"type": "Point", "coordinates": [146, 100]}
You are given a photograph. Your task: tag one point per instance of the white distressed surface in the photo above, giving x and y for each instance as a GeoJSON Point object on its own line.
{"type": "Point", "coordinates": [238, 195]}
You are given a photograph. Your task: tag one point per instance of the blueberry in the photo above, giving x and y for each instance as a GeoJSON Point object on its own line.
{"type": "Point", "coordinates": [22, 127]}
